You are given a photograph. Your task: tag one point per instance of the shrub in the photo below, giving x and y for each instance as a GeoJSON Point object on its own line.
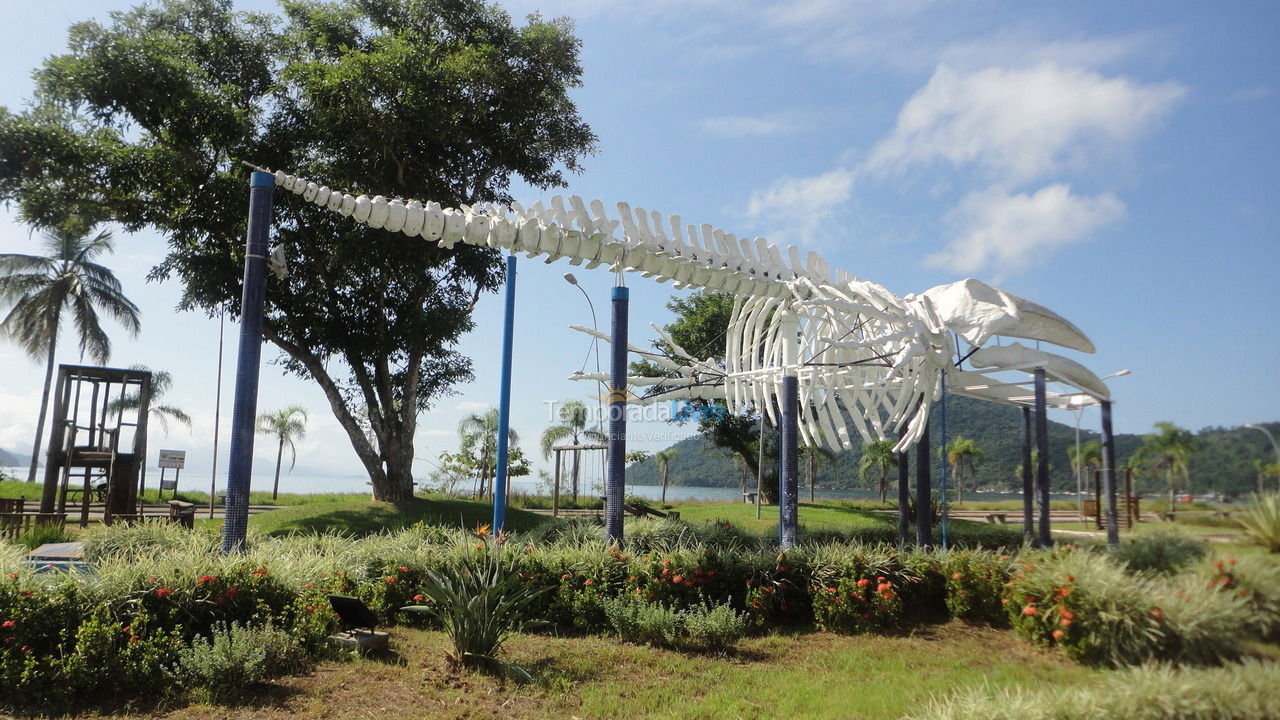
{"type": "Point", "coordinates": [1261, 521]}
{"type": "Point", "coordinates": [479, 604]}
{"type": "Point", "coordinates": [1256, 581]}
{"type": "Point", "coordinates": [1154, 692]}
{"type": "Point", "coordinates": [1086, 605]}
{"type": "Point", "coordinates": [1165, 552]}
{"type": "Point", "coordinates": [224, 666]}
{"type": "Point", "coordinates": [41, 534]}
{"type": "Point", "coordinates": [702, 628]}
{"type": "Point", "coordinates": [974, 585]}
{"type": "Point", "coordinates": [1202, 622]}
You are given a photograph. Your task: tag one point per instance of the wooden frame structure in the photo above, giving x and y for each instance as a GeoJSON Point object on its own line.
{"type": "Point", "coordinates": [95, 436]}
{"type": "Point", "coordinates": [576, 450]}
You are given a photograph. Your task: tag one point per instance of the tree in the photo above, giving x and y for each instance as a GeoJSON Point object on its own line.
{"type": "Point", "coordinates": [963, 456]}
{"type": "Point", "coordinates": [286, 426]}
{"type": "Point", "coordinates": [41, 288]}
{"type": "Point", "coordinates": [664, 459]}
{"type": "Point", "coordinates": [161, 382]}
{"type": "Point", "coordinates": [572, 428]}
{"type": "Point", "coordinates": [145, 119]}
{"type": "Point", "coordinates": [702, 320]}
{"type": "Point", "coordinates": [1168, 450]}
{"type": "Point", "coordinates": [879, 458]}
{"type": "Point", "coordinates": [1089, 459]}
{"type": "Point", "coordinates": [1265, 471]}
{"type": "Point", "coordinates": [479, 435]}
{"type": "Point", "coordinates": [816, 455]}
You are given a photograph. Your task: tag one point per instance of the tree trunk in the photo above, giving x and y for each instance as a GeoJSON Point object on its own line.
{"type": "Point", "coordinates": [813, 475]}
{"type": "Point", "coordinates": [664, 485]}
{"type": "Point", "coordinates": [44, 405]}
{"type": "Point", "coordinates": [1169, 477]}
{"type": "Point", "coordinates": [275, 488]}
{"type": "Point", "coordinates": [575, 474]}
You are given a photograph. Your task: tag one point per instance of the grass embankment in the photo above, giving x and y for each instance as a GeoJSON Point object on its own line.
{"type": "Point", "coordinates": [364, 516]}
{"type": "Point", "coordinates": [782, 675]}
{"type": "Point", "coordinates": [841, 516]}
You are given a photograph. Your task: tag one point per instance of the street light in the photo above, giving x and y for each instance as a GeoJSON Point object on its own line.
{"type": "Point", "coordinates": [1270, 437]}
{"type": "Point", "coordinates": [1076, 404]}
{"type": "Point", "coordinates": [595, 345]}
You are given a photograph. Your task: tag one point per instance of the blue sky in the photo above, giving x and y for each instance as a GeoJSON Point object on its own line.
{"type": "Point", "coordinates": [1113, 161]}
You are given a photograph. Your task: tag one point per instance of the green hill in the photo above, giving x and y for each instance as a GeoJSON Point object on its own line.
{"type": "Point", "coordinates": [1222, 463]}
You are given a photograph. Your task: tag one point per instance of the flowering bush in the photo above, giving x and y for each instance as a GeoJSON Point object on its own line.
{"type": "Point", "coordinates": [857, 605]}
{"type": "Point", "coordinates": [1256, 581]}
{"type": "Point", "coordinates": [974, 585]}
{"type": "Point", "coordinates": [1164, 552]}
{"type": "Point", "coordinates": [1086, 605]}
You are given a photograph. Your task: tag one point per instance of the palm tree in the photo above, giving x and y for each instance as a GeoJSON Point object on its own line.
{"type": "Point", "coordinates": [286, 427]}
{"type": "Point", "coordinates": [664, 459]}
{"type": "Point", "coordinates": [816, 456]}
{"type": "Point", "coordinates": [1090, 459]}
{"type": "Point", "coordinates": [1265, 470]}
{"type": "Point", "coordinates": [161, 381]}
{"type": "Point", "coordinates": [40, 288]}
{"type": "Point", "coordinates": [572, 427]}
{"type": "Point", "coordinates": [963, 456]}
{"type": "Point", "coordinates": [878, 457]}
{"type": "Point", "coordinates": [1169, 449]}
{"type": "Point", "coordinates": [479, 434]}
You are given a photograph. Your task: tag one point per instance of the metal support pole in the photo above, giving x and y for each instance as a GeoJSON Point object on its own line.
{"type": "Point", "coordinates": [245, 407]}
{"type": "Point", "coordinates": [1028, 489]}
{"type": "Point", "coordinates": [789, 490]}
{"type": "Point", "coordinates": [1109, 474]}
{"type": "Point", "coordinates": [217, 414]}
{"type": "Point", "coordinates": [1045, 539]}
{"type": "Point", "coordinates": [904, 499]}
{"type": "Point", "coordinates": [924, 492]}
{"type": "Point", "coordinates": [945, 489]}
{"type": "Point", "coordinates": [504, 400]}
{"type": "Point", "coordinates": [615, 482]}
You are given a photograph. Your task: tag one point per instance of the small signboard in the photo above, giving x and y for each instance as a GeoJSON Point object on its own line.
{"type": "Point", "coordinates": [169, 483]}
{"type": "Point", "coordinates": [174, 459]}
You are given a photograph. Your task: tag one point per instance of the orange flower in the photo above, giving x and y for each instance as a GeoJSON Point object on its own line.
{"type": "Point", "coordinates": [163, 592]}
{"type": "Point", "coordinates": [404, 569]}
{"type": "Point", "coordinates": [864, 582]}
{"type": "Point", "coordinates": [677, 579]}
{"type": "Point", "coordinates": [417, 598]}
{"type": "Point", "coordinates": [8, 624]}
{"type": "Point", "coordinates": [390, 579]}
{"type": "Point", "coordinates": [1057, 634]}
{"type": "Point", "coordinates": [1029, 610]}
{"type": "Point", "coordinates": [1064, 622]}
{"type": "Point", "coordinates": [956, 576]}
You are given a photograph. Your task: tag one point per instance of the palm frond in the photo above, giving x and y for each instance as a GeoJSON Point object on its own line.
{"type": "Point", "coordinates": [93, 339]}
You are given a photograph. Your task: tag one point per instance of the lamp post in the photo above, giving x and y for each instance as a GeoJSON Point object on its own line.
{"type": "Point", "coordinates": [1270, 437]}
{"type": "Point", "coordinates": [595, 346]}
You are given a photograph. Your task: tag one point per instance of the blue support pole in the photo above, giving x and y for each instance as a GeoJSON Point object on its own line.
{"type": "Point", "coordinates": [615, 484]}
{"type": "Point", "coordinates": [789, 490]}
{"type": "Point", "coordinates": [244, 412]}
{"type": "Point", "coordinates": [904, 498]}
{"type": "Point", "coordinates": [945, 489]}
{"type": "Point", "coordinates": [924, 492]}
{"type": "Point", "coordinates": [1044, 538]}
{"type": "Point", "coordinates": [504, 401]}
{"type": "Point", "coordinates": [1028, 487]}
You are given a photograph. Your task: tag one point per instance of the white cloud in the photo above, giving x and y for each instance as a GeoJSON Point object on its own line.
{"type": "Point", "coordinates": [796, 208]}
{"type": "Point", "coordinates": [740, 126]}
{"type": "Point", "coordinates": [1021, 123]}
{"type": "Point", "coordinates": [1003, 233]}
{"type": "Point", "coordinates": [472, 406]}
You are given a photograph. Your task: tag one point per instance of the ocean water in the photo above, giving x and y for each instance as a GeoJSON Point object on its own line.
{"type": "Point", "coordinates": [312, 483]}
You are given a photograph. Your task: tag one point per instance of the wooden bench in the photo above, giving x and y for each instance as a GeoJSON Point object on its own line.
{"type": "Point", "coordinates": [15, 525]}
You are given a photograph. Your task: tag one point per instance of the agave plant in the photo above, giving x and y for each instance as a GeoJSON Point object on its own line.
{"type": "Point", "coordinates": [480, 602]}
{"type": "Point", "coordinates": [1261, 521]}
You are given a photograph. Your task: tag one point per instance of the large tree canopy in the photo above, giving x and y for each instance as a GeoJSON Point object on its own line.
{"type": "Point", "coordinates": [145, 119]}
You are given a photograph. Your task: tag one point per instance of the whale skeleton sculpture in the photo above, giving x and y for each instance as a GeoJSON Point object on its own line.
{"type": "Point", "coordinates": [863, 356]}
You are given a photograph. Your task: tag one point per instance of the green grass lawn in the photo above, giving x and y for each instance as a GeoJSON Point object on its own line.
{"type": "Point", "coordinates": [364, 516]}
{"type": "Point", "coordinates": [784, 675]}
{"type": "Point", "coordinates": [31, 491]}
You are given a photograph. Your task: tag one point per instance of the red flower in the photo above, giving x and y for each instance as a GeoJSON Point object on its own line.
{"type": "Point", "coordinates": [207, 579]}
{"type": "Point", "coordinates": [390, 579]}
{"type": "Point", "coordinates": [404, 569]}
{"type": "Point", "coordinates": [1029, 610]}
{"type": "Point", "coordinates": [588, 582]}
{"type": "Point", "coordinates": [956, 576]}
{"type": "Point", "coordinates": [307, 585]}
{"type": "Point", "coordinates": [8, 624]}
{"type": "Point", "coordinates": [1058, 634]}
{"type": "Point", "coordinates": [231, 592]}
{"type": "Point", "coordinates": [261, 571]}
{"type": "Point", "coordinates": [417, 598]}
{"type": "Point", "coordinates": [26, 648]}
{"type": "Point", "coordinates": [864, 582]}
{"type": "Point", "coordinates": [1064, 622]}
{"type": "Point", "coordinates": [133, 639]}
{"type": "Point", "coordinates": [311, 608]}
{"type": "Point", "coordinates": [1157, 614]}
{"type": "Point", "coordinates": [163, 592]}
{"type": "Point", "coordinates": [564, 576]}
{"type": "Point", "coordinates": [678, 579]}
{"type": "Point", "coordinates": [14, 576]}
